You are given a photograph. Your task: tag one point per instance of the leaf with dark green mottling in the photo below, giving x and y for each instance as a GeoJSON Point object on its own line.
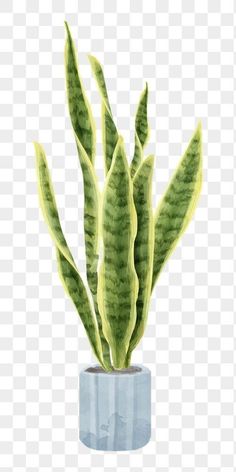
{"type": "Point", "coordinates": [66, 265]}
{"type": "Point", "coordinates": [178, 204]}
{"type": "Point", "coordinates": [91, 234]}
{"type": "Point", "coordinates": [138, 155]}
{"type": "Point", "coordinates": [141, 131]}
{"type": "Point", "coordinates": [136, 243]}
{"type": "Point", "coordinates": [109, 131]}
{"type": "Point", "coordinates": [79, 108]}
{"type": "Point", "coordinates": [117, 279]}
{"type": "Point", "coordinates": [143, 247]}
{"type": "Point", "coordinates": [84, 129]}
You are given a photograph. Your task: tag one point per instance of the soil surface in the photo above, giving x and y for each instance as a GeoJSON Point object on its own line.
{"type": "Point", "coordinates": [100, 370]}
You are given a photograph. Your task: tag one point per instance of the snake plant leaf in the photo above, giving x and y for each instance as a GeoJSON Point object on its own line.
{"type": "Point", "coordinates": [117, 278]}
{"type": "Point", "coordinates": [67, 269]}
{"type": "Point", "coordinates": [143, 247]}
{"type": "Point", "coordinates": [141, 120]}
{"type": "Point", "coordinates": [100, 79]}
{"type": "Point", "coordinates": [91, 234]}
{"type": "Point", "coordinates": [79, 108]}
{"type": "Point", "coordinates": [91, 216]}
{"type": "Point", "coordinates": [141, 131]}
{"type": "Point", "coordinates": [138, 155]}
{"type": "Point", "coordinates": [109, 131]}
{"type": "Point", "coordinates": [84, 129]}
{"type": "Point", "coordinates": [109, 137]}
{"type": "Point", "coordinates": [76, 290]}
{"type": "Point", "coordinates": [48, 204]}
{"type": "Point", "coordinates": [178, 203]}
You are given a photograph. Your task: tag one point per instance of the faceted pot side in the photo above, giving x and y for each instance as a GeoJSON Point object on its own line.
{"type": "Point", "coordinates": [115, 408]}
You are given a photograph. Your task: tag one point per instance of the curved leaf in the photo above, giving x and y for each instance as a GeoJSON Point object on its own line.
{"type": "Point", "coordinates": [109, 131]}
{"type": "Point", "coordinates": [84, 129]}
{"type": "Point", "coordinates": [141, 131]}
{"type": "Point", "coordinates": [76, 290]}
{"type": "Point", "coordinates": [143, 247]}
{"type": "Point", "coordinates": [80, 111]}
{"type": "Point", "coordinates": [141, 120]}
{"type": "Point", "coordinates": [117, 279]}
{"type": "Point", "coordinates": [178, 204]}
{"type": "Point", "coordinates": [66, 265]}
{"type": "Point", "coordinates": [91, 234]}
{"type": "Point", "coordinates": [100, 79]}
{"type": "Point", "coordinates": [138, 155]}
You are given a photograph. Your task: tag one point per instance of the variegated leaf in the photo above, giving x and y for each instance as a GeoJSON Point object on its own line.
{"type": "Point", "coordinates": [117, 279]}
{"type": "Point", "coordinates": [143, 247]}
{"type": "Point", "coordinates": [91, 234]}
{"type": "Point", "coordinates": [79, 108]}
{"type": "Point", "coordinates": [109, 131]}
{"type": "Point", "coordinates": [84, 129]}
{"type": "Point", "coordinates": [178, 204]}
{"type": "Point", "coordinates": [66, 265]}
{"type": "Point", "coordinates": [141, 131]}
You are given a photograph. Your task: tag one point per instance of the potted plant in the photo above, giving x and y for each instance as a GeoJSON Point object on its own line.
{"type": "Point", "coordinates": [126, 245]}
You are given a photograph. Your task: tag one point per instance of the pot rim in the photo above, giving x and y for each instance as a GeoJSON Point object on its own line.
{"type": "Point", "coordinates": [117, 373]}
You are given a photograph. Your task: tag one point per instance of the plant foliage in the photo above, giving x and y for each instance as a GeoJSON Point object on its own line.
{"type": "Point", "coordinates": [136, 240]}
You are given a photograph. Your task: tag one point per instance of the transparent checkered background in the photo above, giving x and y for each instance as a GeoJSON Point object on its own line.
{"type": "Point", "coordinates": [186, 52]}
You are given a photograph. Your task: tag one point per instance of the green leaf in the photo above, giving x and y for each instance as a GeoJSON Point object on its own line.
{"type": "Point", "coordinates": [178, 204]}
{"type": "Point", "coordinates": [141, 120]}
{"type": "Point", "coordinates": [76, 290]}
{"type": "Point", "coordinates": [143, 247]}
{"type": "Point", "coordinates": [91, 234]}
{"type": "Point", "coordinates": [66, 265]}
{"type": "Point", "coordinates": [91, 216]}
{"type": "Point", "coordinates": [80, 111]}
{"type": "Point", "coordinates": [84, 129]}
{"type": "Point", "coordinates": [138, 155]}
{"type": "Point", "coordinates": [141, 131]}
{"type": "Point", "coordinates": [100, 79]}
{"type": "Point", "coordinates": [109, 131]}
{"type": "Point", "coordinates": [117, 279]}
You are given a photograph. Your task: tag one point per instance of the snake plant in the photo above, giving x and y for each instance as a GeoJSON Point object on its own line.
{"type": "Point", "coordinates": [126, 243]}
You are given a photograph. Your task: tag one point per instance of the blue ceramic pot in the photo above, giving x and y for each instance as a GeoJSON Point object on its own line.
{"type": "Point", "coordinates": [115, 408]}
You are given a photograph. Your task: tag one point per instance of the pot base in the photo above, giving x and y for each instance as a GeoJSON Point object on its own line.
{"type": "Point", "coordinates": [115, 408]}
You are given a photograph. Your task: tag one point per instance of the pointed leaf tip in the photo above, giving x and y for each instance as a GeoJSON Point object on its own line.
{"type": "Point", "coordinates": [35, 144]}
{"type": "Point", "coordinates": [39, 151]}
{"type": "Point", "coordinates": [199, 129]}
{"type": "Point", "coordinates": [197, 132]}
{"type": "Point", "coordinates": [120, 146]}
{"type": "Point", "coordinates": [120, 140]}
{"type": "Point", "coordinates": [92, 59]}
{"type": "Point", "coordinates": [150, 158]}
{"type": "Point", "coordinates": [36, 149]}
{"type": "Point", "coordinates": [67, 28]}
